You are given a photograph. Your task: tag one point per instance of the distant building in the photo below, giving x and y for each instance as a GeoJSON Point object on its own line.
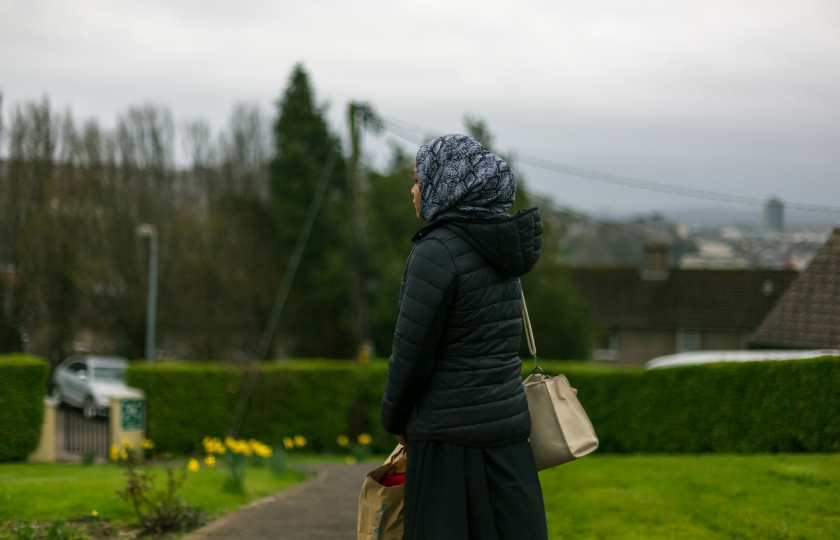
{"type": "Point", "coordinates": [774, 215]}
{"type": "Point", "coordinates": [808, 315]}
{"type": "Point", "coordinates": [653, 310]}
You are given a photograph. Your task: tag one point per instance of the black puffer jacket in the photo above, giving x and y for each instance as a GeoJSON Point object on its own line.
{"type": "Point", "coordinates": [453, 375]}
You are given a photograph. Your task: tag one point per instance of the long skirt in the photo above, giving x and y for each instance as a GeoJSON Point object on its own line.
{"type": "Point", "coordinates": [458, 493]}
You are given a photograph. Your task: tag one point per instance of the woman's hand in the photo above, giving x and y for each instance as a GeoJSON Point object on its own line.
{"type": "Point", "coordinates": [402, 440]}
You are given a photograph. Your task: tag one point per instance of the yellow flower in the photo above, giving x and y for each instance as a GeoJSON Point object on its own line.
{"type": "Point", "coordinates": [260, 449]}
{"type": "Point", "coordinates": [127, 444]}
{"type": "Point", "coordinates": [343, 440]}
{"type": "Point", "coordinates": [192, 465]}
{"type": "Point", "coordinates": [238, 446]}
{"type": "Point", "coordinates": [350, 460]}
{"type": "Point", "coordinates": [147, 444]}
{"type": "Point", "coordinates": [300, 441]}
{"type": "Point", "coordinates": [114, 452]}
{"type": "Point", "coordinates": [288, 443]}
{"type": "Point", "coordinates": [213, 445]}
{"type": "Point", "coordinates": [364, 439]}
{"type": "Point", "coordinates": [123, 454]}
{"type": "Point", "coordinates": [210, 460]}
{"type": "Point", "coordinates": [94, 513]}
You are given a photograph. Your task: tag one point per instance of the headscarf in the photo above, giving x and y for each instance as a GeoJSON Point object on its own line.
{"type": "Point", "coordinates": [457, 171]}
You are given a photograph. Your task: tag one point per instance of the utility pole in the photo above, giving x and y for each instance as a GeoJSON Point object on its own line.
{"type": "Point", "coordinates": [360, 116]}
{"type": "Point", "coordinates": [147, 230]}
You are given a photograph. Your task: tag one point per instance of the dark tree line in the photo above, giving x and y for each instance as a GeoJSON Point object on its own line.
{"type": "Point", "coordinates": [74, 270]}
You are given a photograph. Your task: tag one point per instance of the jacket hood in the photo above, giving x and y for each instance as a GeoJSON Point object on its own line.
{"type": "Point", "coordinates": [509, 243]}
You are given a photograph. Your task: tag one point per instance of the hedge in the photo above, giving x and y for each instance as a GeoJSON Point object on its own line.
{"type": "Point", "coordinates": [744, 407]}
{"type": "Point", "coordinates": [23, 385]}
{"type": "Point", "coordinates": [317, 399]}
{"type": "Point", "coordinates": [774, 406]}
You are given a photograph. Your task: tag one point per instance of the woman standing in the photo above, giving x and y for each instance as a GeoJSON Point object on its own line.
{"type": "Point", "coordinates": [454, 396]}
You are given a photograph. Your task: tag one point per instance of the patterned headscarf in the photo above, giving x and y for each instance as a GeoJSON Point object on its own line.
{"type": "Point", "coordinates": [457, 171]}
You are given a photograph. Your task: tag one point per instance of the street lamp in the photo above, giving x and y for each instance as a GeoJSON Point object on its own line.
{"type": "Point", "coordinates": [147, 230]}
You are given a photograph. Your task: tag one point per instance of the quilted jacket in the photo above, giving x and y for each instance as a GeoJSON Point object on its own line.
{"type": "Point", "coordinates": [453, 375]}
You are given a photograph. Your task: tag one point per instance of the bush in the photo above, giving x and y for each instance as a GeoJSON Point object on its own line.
{"type": "Point", "coordinates": [749, 407]}
{"type": "Point", "coordinates": [728, 407]}
{"type": "Point", "coordinates": [23, 384]}
{"type": "Point", "coordinates": [317, 399]}
{"type": "Point", "coordinates": [158, 510]}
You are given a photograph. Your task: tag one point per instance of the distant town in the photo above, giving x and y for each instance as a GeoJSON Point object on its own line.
{"type": "Point", "coordinates": [770, 244]}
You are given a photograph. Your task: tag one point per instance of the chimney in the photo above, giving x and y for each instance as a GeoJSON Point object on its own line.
{"type": "Point", "coordinates": [655, 267]}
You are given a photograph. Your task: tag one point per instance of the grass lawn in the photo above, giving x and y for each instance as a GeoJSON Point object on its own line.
{"type": "Point", "coordinates": [686, 497]}
{"type": "Point", "coordinates": [48, 492]}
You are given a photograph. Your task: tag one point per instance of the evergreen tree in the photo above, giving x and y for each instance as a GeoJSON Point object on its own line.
{"type": "Point", "coordinates": [391, 222]}
{"type": "Point", "coordinates": [318, 316]}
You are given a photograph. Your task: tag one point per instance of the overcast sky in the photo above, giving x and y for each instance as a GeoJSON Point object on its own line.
{"type": "Point", "coordinates": [735, 96]}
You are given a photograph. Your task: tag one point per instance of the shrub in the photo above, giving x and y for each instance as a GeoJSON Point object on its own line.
{"type": "Point", "coordinates": [316, 399]}
{"type": "Point", "coordinates": [23, 384]}
{"type": "Point", "coordinates": [728, 407]}
{"type": "Point", "coordinates": [744, 407]}
{"type": "Point", "coordinates": [158, 510]}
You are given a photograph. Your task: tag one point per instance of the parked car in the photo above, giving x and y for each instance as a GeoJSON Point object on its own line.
{"type": "Point", "coordinates": [87, 381]}
{"type": "Point", "coordinates": [707, 357]}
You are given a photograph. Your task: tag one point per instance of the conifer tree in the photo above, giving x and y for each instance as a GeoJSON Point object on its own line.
{"type": "Point", "coordinates": [318, 316]}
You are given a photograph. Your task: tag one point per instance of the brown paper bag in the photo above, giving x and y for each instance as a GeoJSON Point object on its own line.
{"type": "Point", "coordinates": [380, 507]}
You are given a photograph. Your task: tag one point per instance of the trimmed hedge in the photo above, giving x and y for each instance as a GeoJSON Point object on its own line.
{"type": "Point", "coordinates": [744, 407]}
{"type": "Point", "coordinates": [787, 406]}
{"type": "Point", "coordinates": [23, 384]}
{"type": "Point", "coordinates": [317, 399]}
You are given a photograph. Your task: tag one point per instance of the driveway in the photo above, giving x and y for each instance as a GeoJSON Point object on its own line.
{"type": "Point", "coordinates": [324, 508]}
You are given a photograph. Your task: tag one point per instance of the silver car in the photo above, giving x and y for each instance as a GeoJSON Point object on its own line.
{"type": "Point", "coordinates": [87, 381]}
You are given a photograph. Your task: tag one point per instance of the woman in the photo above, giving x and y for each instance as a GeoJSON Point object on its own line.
{"type": "Point", "coordinates": [454, 397]}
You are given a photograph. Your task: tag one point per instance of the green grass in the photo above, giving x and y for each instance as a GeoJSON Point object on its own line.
{"type": "Point", "coordinates": [58, 491]}
{"type": "Point", "coordinates": [686, 497]}
{"type": "Point", "coordinates": [599, 497]}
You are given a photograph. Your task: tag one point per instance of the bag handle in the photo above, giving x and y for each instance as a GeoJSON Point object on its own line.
{"type": "Point", "coordinates": [529, 332]}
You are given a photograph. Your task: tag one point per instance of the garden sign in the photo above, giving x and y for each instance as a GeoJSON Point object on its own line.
{"type": "Point", "coordinates": [133, 414]}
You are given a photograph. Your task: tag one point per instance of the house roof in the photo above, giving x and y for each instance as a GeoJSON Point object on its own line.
{"type": "Point", "coordinates": [735, 300]}
{"type": "Point", "coordinates": [808, 314]}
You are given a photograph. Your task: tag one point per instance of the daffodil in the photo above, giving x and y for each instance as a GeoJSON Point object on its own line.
{"type": "Point", "coordinates": [350, 460]}
{"type": "Point", "coordinates": [192, 465]}
{"type": "Point", "coordinates": [94, 513]}
{"type": "Point", "coordinates": [210, 460]}
{"type": "Point", "coordinates": [300, 441]}
{"type": "Point", "coordinates": [288, 443]}
{"type": "Point", "coordinates": [213, 445]}
{"type": "Point", "coordinates": [123, 454]}
{"type": "Point", "coordinates": [127, 444]}
{"type": "Point", "coordinates": [343, 440]}
{"type": "Point", "coordinates": [209, 445]}
{"type": "Point", "coordinates": [147, 444]}
{"type": "Point", "coordinates": [364, 439]}
{"type": "Point", "coordinates": [114, 452]}
{"type": "Point", "coordinates": [260, 449]}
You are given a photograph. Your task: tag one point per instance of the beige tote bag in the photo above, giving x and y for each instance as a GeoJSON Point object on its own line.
{"type": "Point", "coordinates": [380, 507]}
{"type": "Point", "coordinates": [560, 429]}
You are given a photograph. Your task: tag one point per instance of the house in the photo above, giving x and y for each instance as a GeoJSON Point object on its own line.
{"type": "Point", "coordinates": [656, 310]}
{"type": "Point", "coordinates": [807, 316]}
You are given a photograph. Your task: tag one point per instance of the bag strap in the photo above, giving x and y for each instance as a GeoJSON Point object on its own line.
{"type": "Point", "coordinates": [529, 333]}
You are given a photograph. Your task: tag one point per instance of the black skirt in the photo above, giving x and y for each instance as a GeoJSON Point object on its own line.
{"type": "Point", "coordinates": [458, 493]}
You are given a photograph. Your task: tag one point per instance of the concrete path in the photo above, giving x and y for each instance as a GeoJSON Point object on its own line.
{"type": "Point", "coordinates": [324, 508]}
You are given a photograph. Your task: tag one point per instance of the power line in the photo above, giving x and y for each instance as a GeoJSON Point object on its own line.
{"type": "Point", "coordinates": [283, 291]}
{"type": "Point", "coordinates": [635, 183]}
{"type": "Point", "coordinates": [567, 210]}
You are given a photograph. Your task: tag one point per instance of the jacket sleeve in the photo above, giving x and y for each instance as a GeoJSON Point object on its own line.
{"type": "Point", "coordinates": [426, 296]}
